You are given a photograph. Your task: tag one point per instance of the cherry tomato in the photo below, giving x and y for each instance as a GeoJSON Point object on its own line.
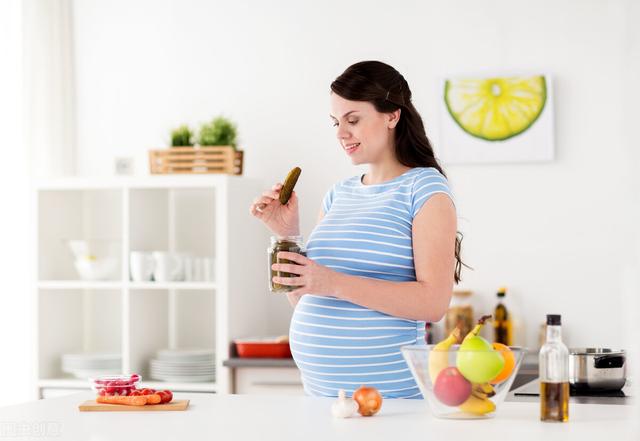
{"type": "Point", "coordinates": [166, 395]}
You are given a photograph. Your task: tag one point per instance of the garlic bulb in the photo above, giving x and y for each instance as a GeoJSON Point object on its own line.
{"type": "Point", "coordinates": [344, 407]}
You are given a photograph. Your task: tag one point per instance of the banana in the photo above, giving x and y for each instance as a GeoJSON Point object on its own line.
{"type": "Point", "coordinates": [477, 406]}
{"type": "Point", "coordinates": [439, 355]}
{"type": "Point", "coordinates": [479, 403]}
{"type": "Point", "coordinates": [476, 330]}
{"type": "Point", "coordinates": [483, 391]}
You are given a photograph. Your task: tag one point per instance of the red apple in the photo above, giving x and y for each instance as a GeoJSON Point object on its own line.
{"type": "Point", "coordinates": [451, 388]}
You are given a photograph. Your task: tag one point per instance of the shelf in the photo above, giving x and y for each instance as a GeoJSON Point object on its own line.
{"type": "Point", "coordinates": [82, 284]}
{"type": "Point", "coordinates": [77, 383]}
{"type": "Point", "coordinates": [172, 285]}
{"type": "Point", "coordinates": [75, 321]}
{"type": "Point", "coordinates": [153, 181]}
{"type": "Point", "coordinates": [78, 284]}
{"type": "Point", "coordinates": [181, 387]}
{"type": "Point", "coordinates": [188, 215]}
{"type": "Point", "coordinates": [63, 383]}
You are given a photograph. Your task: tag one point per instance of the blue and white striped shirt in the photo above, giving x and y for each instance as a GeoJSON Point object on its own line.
{"type": "Point", "coordinates": [366, 232]}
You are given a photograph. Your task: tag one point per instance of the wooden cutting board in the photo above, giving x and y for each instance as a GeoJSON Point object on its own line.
{"type": "Point", "coordinates": [92, 406]}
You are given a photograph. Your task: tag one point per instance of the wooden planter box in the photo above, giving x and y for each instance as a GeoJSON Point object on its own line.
{"type": "Point", "coordinates": [196, 160]}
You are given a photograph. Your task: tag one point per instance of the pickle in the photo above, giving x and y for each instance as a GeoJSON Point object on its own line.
{"type": "Point", "coordinates": [289, 183]}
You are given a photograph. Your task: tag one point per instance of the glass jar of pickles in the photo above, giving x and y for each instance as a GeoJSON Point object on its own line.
{"type": "Point", "coordinates": [460, 314]}
{"type": "Point", "coordinates": [292, 244]}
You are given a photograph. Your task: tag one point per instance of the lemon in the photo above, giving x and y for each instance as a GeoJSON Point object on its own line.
{"type": "Point", "coordinates": [495, 109]}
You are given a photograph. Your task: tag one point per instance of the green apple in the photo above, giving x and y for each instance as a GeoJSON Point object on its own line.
{"type": "Point", "coordinates": [477, 361]}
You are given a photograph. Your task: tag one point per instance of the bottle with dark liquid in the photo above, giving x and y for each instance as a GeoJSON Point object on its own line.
{"type": "Point", "coordinates": [428, 333]}
{"type": "Point", "coordinates": [554, 374]}
{"type": "Point", "coordinates": [502, 322]}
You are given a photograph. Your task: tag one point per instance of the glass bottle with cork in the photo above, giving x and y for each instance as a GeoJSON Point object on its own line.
{"type": "Point", "coordinates": [502, 322]}
{"type": "Point", "coordinates": [554, 374]}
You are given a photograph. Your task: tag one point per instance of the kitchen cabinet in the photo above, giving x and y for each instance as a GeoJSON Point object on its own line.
{"type": "Point", "coordinates": [281, 376]}
{"type": "Point", "coordinates": [205, 216]}
{"type": "Point", "coordinates": [275, 376]}
{"type": "Point", "coordinates": [265, 380]}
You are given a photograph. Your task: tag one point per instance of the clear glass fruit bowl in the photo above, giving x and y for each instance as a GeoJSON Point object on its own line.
{"type": "Point", "coordinates": [463, 384]}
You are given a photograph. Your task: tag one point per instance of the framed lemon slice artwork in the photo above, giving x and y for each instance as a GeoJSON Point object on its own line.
{"type": "Point", "coordinates": [506, 118]}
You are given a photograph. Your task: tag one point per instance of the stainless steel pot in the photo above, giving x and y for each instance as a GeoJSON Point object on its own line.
{"type": "Point", "coordinates": [597, 369]}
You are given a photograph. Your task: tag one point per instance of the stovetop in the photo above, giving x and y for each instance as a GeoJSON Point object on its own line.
{"type": "Point", "coordinates": [532, 389]}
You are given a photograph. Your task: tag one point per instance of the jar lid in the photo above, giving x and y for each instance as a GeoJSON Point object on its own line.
{"type": "Point", "coordinates": [294, 239]}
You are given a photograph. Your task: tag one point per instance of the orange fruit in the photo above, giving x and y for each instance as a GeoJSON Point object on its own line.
{"type": "Point", "coordinates": [509, 362]}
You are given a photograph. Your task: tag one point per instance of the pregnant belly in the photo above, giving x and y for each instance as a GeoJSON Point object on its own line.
{"type": "Point", "coordinates": [339, 345]}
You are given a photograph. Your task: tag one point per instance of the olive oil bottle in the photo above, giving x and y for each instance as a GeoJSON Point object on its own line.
{"type": "Point", "coordinates": [502, 322]}
{"type": "Point", "coordinates": [554, 374]}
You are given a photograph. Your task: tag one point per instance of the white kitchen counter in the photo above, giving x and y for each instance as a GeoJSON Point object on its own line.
{"type": "Point", "coordinates": [253, 417]}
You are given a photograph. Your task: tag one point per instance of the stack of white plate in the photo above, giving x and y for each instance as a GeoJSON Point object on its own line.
{"type": "Point", "coordinates": [91, 365]}
{"type": "Point", "coordinates": [184, 365]}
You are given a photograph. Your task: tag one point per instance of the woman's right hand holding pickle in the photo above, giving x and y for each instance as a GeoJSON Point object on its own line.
{"type": "Point", "coordinates": [282, 220]}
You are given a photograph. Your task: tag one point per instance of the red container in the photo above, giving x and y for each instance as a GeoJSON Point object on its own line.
{"type": "Point", "coordinates": [262, 348]}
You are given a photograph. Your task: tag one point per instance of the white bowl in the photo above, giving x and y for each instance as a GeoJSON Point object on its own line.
{"type": "Point", "coordinates": [105, 268]}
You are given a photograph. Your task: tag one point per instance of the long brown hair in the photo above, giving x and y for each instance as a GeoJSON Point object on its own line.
{"type": "Point", "coordinates": [388, 91]}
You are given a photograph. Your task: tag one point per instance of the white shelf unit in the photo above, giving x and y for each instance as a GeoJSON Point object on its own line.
{"type": "Point", "coordinates": [205, 216]}
{"type": "Point", "coordinates": [82, 284]}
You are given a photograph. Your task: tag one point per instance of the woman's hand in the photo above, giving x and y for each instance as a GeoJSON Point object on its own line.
{"type": "Point", "coordinates": [312, 278]}
{"type": "Point", "coordinates": [282, 220]}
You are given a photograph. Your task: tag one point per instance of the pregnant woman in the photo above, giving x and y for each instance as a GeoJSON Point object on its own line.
{"type": "Point", "coordinates": [384, 255]}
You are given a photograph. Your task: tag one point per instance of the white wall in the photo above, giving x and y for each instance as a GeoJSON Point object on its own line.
{"type": "Point", "coordinates": [631, 279]}
{"type": "Point", "coordinates": [558, 234]}
{"type": "Point", "coordinates": [17, 322]}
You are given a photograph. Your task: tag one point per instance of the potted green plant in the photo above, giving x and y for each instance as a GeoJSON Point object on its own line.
{"type": "Point", "coordinates": [182, 136]}
{"type": "Point", "coordinates": [216, 150]}
{"type": "Point", "coordinates": [220, 131]}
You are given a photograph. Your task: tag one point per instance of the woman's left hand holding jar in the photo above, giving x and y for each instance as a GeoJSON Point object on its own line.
{"type": "Point", "coordinates": [311, 277]}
